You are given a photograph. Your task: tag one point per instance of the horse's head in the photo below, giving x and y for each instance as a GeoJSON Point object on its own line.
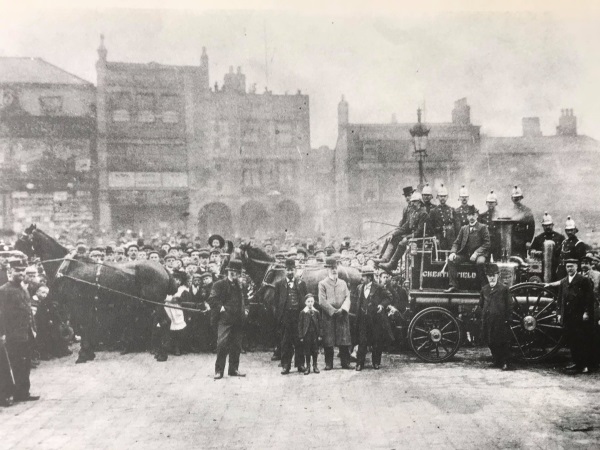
{"type": "Point", "coordinates": [29, 230]}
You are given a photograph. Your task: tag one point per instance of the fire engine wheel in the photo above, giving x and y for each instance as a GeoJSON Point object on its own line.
{"type": "Point", "coordinates": [434, 334]}
{"type": "Point", "coordinates": [535, 329]}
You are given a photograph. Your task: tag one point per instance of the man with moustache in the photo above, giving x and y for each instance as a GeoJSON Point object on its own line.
{"type": "Point", "coordinates": [524, 229]}
{"type": "Point", "coordinates": [443, 220]}
{"type": "Point", "coordinates": [17, 334]}
{"type": "Point", "coordinates": [334, 300]}
{"type": "Point", "coordinates": [472, 244]}
{"type": "Point", "coordinates": [289, 301]}
{"type": "Point", "coordinates": [576, 309]}
{"type": "Point", "coordinates": [461, 212]}
{"type": "Point", "coordinates": [537, 246]}
{"type": "Point", "coordinates": [488, 218]}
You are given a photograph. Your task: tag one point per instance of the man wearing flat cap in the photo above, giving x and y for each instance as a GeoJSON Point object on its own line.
{"type": "Point", "coordinates": [228, 297]}
{"type": "Point", "coordinates": [373, 326]}
{"type": "Point", "coordinates": [576, 311]}
{"type": "Point", "coordinates": [496, 306]}
{"type": "Point", "coordinates": [334, 300]}
{"type": "Point", "coordinates": [471, 245]}
{"type": "Point", "coordinates": [289, 300]}
{"type": "Point", "coordinates": [17, 334]}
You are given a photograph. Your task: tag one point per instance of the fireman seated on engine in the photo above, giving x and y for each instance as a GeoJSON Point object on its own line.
{"type": "Point", "coordinates": [471, 245]}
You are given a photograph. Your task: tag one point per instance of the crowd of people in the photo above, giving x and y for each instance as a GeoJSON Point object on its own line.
{"type": "Point", "coordinates": [209, 310]}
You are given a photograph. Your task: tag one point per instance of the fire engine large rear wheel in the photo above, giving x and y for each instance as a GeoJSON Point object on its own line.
{"type": "Point", "coordinates": [535, 329]}
{"type": "Point", "coordinates": [434, 334]}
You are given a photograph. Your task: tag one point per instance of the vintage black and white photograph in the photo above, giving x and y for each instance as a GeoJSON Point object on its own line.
{"type": "Point", "coordinates": [253, 225]}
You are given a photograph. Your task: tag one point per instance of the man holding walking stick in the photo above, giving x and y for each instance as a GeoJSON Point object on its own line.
{"type": "Point", "coordinates": [17, 331]}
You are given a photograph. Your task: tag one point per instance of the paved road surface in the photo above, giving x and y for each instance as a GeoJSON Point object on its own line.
{"type": "Point", "coordinates": [134, 402]}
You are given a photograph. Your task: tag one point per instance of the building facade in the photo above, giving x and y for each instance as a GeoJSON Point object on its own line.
{"type": "Point", "coordinates": [47, 148]}
{"type": "Point", "coordinates": [175, 153]}
{"type": "Point", "coordinates": [373, 162]}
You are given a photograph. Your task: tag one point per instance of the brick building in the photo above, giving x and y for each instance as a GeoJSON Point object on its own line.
{"type": "Point", "coordinates": [557, 173]}
{"type": "Point", "coordinates": [47, 148]}
{"type": "Point", "coordinates": [176, 154]}
{"type": "Point", "coordinates": [373, 162]}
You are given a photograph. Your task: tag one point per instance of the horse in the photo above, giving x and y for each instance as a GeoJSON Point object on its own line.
{"type": "Point", "coordinates": [82, 285]}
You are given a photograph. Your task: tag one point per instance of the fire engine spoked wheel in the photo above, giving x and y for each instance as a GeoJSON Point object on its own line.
{"type": "Point", "coordinates": [535, 329]}
{"type": "Point", "coordinates": [434, 334]}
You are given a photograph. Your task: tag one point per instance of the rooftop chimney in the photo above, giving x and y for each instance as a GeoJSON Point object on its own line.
{"type": "Point", "coordinates": [567, 123]}
{"type": "Point", "coordinates": [531, 127]}
{"type": "Point", "coordinates": [461, 114]}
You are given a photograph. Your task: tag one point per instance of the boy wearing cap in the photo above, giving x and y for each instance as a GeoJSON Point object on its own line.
{"type": "Point", "coordinates": [17, 333]}
{"type": "Point", "coordinates": [289, 294]}
{"type": "Point", "coordinates": [309, 333]}
{"type": "Point", "coordinates": [496, 305]}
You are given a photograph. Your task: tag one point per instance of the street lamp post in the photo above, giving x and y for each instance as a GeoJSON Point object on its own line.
{"type": "Point", "coordinates": [419, 135]}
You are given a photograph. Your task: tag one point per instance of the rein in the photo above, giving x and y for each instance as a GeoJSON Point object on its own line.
{"type": "Point", "coordinates": [98, 286]}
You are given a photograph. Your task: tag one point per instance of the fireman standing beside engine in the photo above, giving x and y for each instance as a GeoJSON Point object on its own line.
{"type": "Point", "coordinates": [488, 218]}
{"type": "Point", "coordinates": [442, 219]}
{"type": "Point", "coordinates": [537, 246]}
{"type": "Point", "coordinates": [571, 248]}
{"type": "Point", "coordinates": [524, 228]}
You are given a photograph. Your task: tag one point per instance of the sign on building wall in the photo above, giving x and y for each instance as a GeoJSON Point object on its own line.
{"type": "Point", "coordinates": [147, 180]}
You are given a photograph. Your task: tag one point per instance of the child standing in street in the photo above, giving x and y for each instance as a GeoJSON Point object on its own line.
{"type": "Point", "coordinates": [309, 332]}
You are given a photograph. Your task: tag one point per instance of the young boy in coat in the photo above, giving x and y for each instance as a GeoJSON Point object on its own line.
{"type": "Point", "coordinates": [309, 332]}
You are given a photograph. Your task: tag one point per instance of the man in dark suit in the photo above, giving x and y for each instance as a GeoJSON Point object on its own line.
{"type": "Point", "coordinates": [496, 305]}
{"type": "Point", "coordinates": [576, 306]}
{"type": "Point", "coordinates": [373, 327]}
{"type": "Point", "coordinates": [228, 297]}
{"type": "Point", "coordinates": [17, 333]}
{"type": "Point", "coordinates": [472, 244]}
{"type": "Point", "coordinates": [289, 301]}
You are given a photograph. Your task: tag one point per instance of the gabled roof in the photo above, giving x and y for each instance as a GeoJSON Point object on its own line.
{"type": "Point", "coordinates": [35, 71]}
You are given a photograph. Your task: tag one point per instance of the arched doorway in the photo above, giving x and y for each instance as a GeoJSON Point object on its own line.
{"type": "Point", "coordinates": [254, 219]}
{"type": "Point", "coordinates": [287, 216]}
{"type": "Point", "coordinates": [215, 218]}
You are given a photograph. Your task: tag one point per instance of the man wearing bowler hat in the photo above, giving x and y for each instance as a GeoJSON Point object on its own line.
{"type": "Point", "coordinates": [472, 244]}
{"type": "Point", "coordinates": [576, 311]}
{"type": "Point", "coordinates": [17, 333]}
{"type": "Point", "coordinates": [334, 299]}
{"type": "Point", "coordinates": [373, 326]}
{"type": "Point", "coordinates": [289, 301]}
{"type": "Point", "coordinates": [228, 297]}
{"type": "Point", "coordinates": [496, 305]}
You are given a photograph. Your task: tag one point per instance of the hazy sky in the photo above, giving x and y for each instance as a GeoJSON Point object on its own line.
{"type": "Point", "coordinates": [508, 65]}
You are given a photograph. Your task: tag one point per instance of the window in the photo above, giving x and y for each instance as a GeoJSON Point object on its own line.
{"type": "Point", "coordinates": [146, 108]}
{"type": "Point", "coordinates": [284, 133]}
{"type": "Point", "coordinates": [286, 174]}
{"type": "Point", "coordinates": [120, 104]}
{"type": "Point", "coordinates": [251, 176]}
{"type": "Point", "coordinates": [370, 153]}
{"type": "Point", "coordinates": [169, 106]}
{"type": "Point", "coordinates": [51, 105]}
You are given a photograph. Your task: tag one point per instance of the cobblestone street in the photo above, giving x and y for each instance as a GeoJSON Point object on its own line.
{"type": "Point", "coordinates": [133, 402]}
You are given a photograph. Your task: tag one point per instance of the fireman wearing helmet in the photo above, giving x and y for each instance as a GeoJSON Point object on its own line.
{"type": "Point", "coordinates": [415, 227]}
{"type": "Point", "coordinates": [427, 195]}
{"type": "Point", "coordinates": [537, 246]}
{"type": "Point", "coordinates": [524, 229]}
{"type": "Point", "coordinates": [460, 213]}
{"type": "Point", "coordinates": [442, 219]}
{"type": "Point", "coordinates": [488, 218]}
{"type": "Point", "coordinates": [571, 248]}
{"type": "Point", "coordinates": [390, 243]}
